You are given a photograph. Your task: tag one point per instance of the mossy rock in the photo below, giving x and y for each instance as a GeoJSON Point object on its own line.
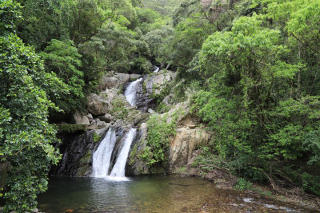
{"type": "Point", "coordinates": [83, 171]}
{"type": "Point", "coordinates": [86, 159]}
{"type": "Point", "coordinates": [96, 137]}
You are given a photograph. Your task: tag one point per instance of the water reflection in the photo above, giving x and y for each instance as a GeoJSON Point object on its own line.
{"type": "Point", "coordinates": [149, 194]}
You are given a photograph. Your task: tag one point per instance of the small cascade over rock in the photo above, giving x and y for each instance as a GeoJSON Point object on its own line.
{"type": "Point", "coordinates": [156, 69]}
{"type": "Point", "coordinates": [102, 156]}
{"type": "Point", "coordinates": [119, 167]}
{"type": "Point", "coordinates": [131, 92]}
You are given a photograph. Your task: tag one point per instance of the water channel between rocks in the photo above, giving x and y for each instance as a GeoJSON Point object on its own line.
{"type": "Point", "coordinates": [150, 194]}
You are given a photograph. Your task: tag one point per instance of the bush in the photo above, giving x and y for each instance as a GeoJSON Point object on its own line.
{"type": "Point", "coordinates": [242, 184]}
{"type": "Point", "coordinates": [159, 133]}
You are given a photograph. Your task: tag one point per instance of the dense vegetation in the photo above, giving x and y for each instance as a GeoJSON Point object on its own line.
{"type": "Point", "coordinates": [52, 55]}
{"type": "Point", "coordinates": [253, 63]}
{"type": "Point", "coordinates": [261, 96]}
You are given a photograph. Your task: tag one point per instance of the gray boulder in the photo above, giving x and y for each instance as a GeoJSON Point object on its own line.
{"type": "Point", "coordinates": [81, 119]}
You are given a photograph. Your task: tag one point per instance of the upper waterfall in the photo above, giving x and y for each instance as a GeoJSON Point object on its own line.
{"type": "Point", "coordinates": [131, 92]}
{"type": "Point", "coordinates": [119, 167]}
{"type": "Point", "coordinates": [156, 69]}
{"type": "Point", "coordinates": [102, 156]}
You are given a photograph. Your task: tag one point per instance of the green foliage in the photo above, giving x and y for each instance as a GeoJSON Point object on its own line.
{"type": "Point", "coordinates": [9, 15]}
{"type": "Point", "coordinates": [115, 48]}
{"type": "Point", "coordinates": [145, 18]}
{"type": "Point", "coordinates": [119, 108]}
{"type": "Point", "coordinates": [165, 7]}
{"type": "Point", "coordinates": [156, 40]}
{"type": "Point", "coordinates": [62, 58]}
{"type": "Point", "coordinates": [242, 184]}
{"type": "Point", "coordinates": [310, 183]}
{"type": "Point", "coordinates": [43, 21]}
{"type": "Point", "coordinates": [159, 133]}
{"type": "Point", "coordinates": [96, 137]}
{"type": "Point", "coordinates": [26, 136]}
{"type": "Point", "coordinates": [260, 96]}
{"type": "Point", "coordinates": [185, 43]}
{"type": "Point", "coordinates": [87, 17]}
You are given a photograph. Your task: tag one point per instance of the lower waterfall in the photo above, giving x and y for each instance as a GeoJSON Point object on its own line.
{"type": "Point", "coordinates": [119, 167]}
{"type": "Point", "coordinates": [102, 156]}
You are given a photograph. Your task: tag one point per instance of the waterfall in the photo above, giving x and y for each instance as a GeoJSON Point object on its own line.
{"type": "Point", "coordinates": [119, 167]}
{"type": "Point", "coordinates": [156, 69]}
{"type": "Point", "coordinates": [101, 157]}
{"type": "Point", "coordinates": [131, 92]}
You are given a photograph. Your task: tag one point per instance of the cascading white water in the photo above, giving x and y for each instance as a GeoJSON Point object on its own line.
{"type": "Point", "coordinates": [131, 92]}
{"type": "Point", "coordinates": [119, 167]}
{"type": "Point", "coordinates": [156, 69]}
{"type": "Point", "coordinates": [102, 156]}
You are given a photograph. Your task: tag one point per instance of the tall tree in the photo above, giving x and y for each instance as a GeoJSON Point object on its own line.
{"type": "Point", "coordinates": [26, 137]}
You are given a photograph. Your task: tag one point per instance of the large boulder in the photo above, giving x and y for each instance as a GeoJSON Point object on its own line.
{"type": "Point", "coordinates": [106, 118]}
{"type": "Point", "coordinates": [81, 119]}
{"type": "Point", "coordinates": [116, 80]}
{"type": "Point", "coordinates": [156, 82]}
{"type": "Point", "coordinates": [184, 144]}
{"type": "Point", "coordinates": [189, 136]}
{"type": "Point", "coordinates": [97, 105]}
{"type": "Point", "coordinates": [113, 80]}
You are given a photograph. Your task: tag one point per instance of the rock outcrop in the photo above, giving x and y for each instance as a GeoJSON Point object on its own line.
{"type": "Point", "coordinates": [186, 141]}
{"type": "Point", "coordinates": [116, 80]}
{"type": "Point", "coordinates": [109, 108]}
{"type": "Point", "coordinates": [156, 82]}
{"type": "Point", "coordinates": [98, 105]}
{"type": "Point", "coordinates": [135, 165]}
{"type": "Point", "coordinates": [81, 119]}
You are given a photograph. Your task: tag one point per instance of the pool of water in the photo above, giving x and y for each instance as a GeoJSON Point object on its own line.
{"type": "Point", "coordinates": [150, 194]}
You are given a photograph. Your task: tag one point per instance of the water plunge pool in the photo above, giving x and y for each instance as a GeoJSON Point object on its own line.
{"type": "Point", "coordinates": [150, 194]}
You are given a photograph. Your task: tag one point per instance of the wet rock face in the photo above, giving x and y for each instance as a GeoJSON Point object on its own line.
{"type": "Point", "coordinates": [143, 98]}
{"type": "Point", "coordinates": [135, 165]}
{"type": "Point", "coordinates": [151, 86]}
{"type": "Point", "coordinates": [77, 153]}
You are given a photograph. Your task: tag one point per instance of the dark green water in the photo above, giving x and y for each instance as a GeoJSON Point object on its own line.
{"type": "Point", "coordinates": [149, 194]}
